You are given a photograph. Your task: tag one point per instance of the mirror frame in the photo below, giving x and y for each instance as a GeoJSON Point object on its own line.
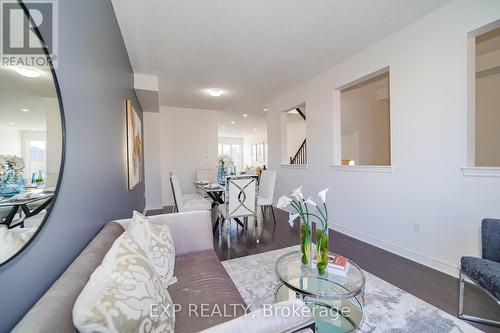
{"type": "Point", "coordinates": [63, 135]}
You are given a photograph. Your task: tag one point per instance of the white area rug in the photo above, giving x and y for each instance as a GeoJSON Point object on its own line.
{"type": "Point", "coordinates": [387, 308]}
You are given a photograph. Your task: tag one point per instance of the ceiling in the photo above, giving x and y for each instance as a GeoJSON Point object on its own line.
{"type": "Point", "coordinates": [255, 123]}
{"type": "Point", "coordinates": [254, 50]}
{"type": "Point", "coordinates": [18, 92]}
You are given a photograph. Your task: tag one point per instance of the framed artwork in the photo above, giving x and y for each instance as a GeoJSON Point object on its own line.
{"type": "Point", "coordinates": [135, 162]}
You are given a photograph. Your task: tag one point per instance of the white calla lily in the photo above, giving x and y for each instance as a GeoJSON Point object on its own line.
{"type": "Point", "coordinates": [322, 194]}
{"type": "Point", "coordinates": [283, 202]}
{"type": "Point", "coordinates": [310, 202]}
{"type": "Point", "coordinates": [292, 218]}
{"type": "Point", "coordinates": [297, 194]}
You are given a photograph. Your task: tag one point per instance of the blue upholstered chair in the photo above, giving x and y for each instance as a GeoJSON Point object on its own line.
{"type": "Point", "coordinates": [485, 271]}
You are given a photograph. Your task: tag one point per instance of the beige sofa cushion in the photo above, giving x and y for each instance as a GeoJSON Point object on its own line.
{"type": "Point", "coordinates": [121, 292]}
{"type": "Point", "coordinates": [156, 241]}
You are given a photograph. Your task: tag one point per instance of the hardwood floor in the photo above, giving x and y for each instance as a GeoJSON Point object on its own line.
{"type": "Point", "coordinates": [432, 286]}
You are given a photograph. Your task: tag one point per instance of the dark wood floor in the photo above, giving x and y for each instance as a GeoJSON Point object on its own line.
{"type": "Point", "coordinates": [432, 286]}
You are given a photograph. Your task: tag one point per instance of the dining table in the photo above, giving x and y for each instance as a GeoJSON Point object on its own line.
{"type": "Point", "coordinates": [23, 202]}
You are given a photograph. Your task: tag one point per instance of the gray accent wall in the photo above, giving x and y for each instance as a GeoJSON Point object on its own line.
{"type": "Point", "coordinates": [96, 78]}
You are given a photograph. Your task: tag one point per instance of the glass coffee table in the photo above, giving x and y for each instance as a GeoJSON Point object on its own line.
{"type": "Point", "coordinates": [336, 301]}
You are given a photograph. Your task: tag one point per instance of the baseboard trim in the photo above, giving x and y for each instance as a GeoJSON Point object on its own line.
{"type": "Point", "coordinates": [434, 263]}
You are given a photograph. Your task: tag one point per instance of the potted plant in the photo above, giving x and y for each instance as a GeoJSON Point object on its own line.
{"type": "Point", "coordinates": [304, 209]}
{"type": "Point", "coordinates": [39, 182]}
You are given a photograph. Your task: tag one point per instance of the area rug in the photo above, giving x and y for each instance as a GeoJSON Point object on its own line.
{"type": "Point", "coordinates": [387, 308]}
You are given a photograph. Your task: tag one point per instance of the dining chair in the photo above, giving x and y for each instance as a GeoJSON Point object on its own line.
{"type": "Point", "coordinates": [209, 175]}
{"type": "Point", "coordinates": [187, 202]}
{"type": "Point", "coordinates": [241, 202]}
{"type": "Point", "coordinates": [483, 272]}
{"type": "Point", "coordinates": [266, 191]}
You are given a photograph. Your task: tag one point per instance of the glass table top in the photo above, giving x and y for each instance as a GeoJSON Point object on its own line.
{"type": "Point", "coordinates": [308, 282]}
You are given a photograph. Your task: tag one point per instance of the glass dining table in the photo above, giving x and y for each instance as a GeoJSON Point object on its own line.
{"type": "Point", "coordinates": [25, 203]}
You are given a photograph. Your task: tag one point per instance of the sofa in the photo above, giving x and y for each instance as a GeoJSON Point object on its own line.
{"type": "Point", "coordinates": [201, 279]}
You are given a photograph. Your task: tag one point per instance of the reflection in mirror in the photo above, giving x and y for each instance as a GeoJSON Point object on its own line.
{"type": "Point", "coordinates": [31, 143]}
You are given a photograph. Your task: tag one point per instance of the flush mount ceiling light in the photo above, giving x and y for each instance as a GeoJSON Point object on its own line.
{"type": "Point", "coordinates": [245, 115]}
{"type": "Point", "coordinates": [12, 123]}
{"type": "Point", "coordinates": [25, 110]}
{"type": "Point", "coordinates": [214, 92]}
{"type": "Point", "coordinates": [232, 123]}
{"type": "Point", "coordinates": [27, 71]}
{"type": "Point", "coordinates": [265, 110]}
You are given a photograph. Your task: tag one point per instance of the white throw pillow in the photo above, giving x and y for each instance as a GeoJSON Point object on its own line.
{"type": "Point", "coordinates": [10, 242]}
{"type": "Point", "coordinates": [124, 294]}
{"type": "Point", "coordinates": [156, 241]}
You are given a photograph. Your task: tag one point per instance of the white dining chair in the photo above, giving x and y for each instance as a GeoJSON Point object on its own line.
{"type": "Point", "coordinates": [241, 202]}
{"type": "Point", "coordinates": [187, 202]}
{"type": "Point", "coordinates": [266, 191]}
{"type": "Point", "coordinates": [209, 175]}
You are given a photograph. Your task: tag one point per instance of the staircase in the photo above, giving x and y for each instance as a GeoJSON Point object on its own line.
{"type": "Point", "coordinates": [301, 154]}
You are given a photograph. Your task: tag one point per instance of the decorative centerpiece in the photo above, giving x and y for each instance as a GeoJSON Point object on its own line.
{"type": "Point", "coordinates": [11, 175]}
{"type": "Point", "coordinates": [303, 209]}
{"type": "Point", "coordinates": [225, 164]}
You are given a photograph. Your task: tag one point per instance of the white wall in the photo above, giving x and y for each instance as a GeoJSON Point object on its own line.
{"type": "Point", "coordinates": [428, 69]}
{"type": "Point", "coordinates": [10, 141]}
{"type": "Point", "coordinates": [54, 141]}
{"type": "Point", "coordinates": [177, 140]}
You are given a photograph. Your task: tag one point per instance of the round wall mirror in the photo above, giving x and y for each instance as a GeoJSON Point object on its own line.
{"type": "Point", "coordinates": [31, 146]}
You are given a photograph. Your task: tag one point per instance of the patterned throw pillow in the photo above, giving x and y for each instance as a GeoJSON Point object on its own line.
{"type": "Point", "coordinates": [124, 294]}
{"type": "Point", "coordinates": [156, 241]}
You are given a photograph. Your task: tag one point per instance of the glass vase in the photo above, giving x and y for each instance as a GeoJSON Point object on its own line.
{"type": "Point", "coordinates": [305, 243]}
{"type": "Point", "coordinates": [322, 249]}
{"type": "Point", "coordinates": [10, 185]}
{"type": "Point", "coordinates": [221, 175]}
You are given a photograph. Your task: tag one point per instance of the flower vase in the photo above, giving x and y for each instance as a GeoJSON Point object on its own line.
{"type": "Point", "coordinates": [322, 249]}
{"type": "Point", "coordinates": [305, 243]}
{"type": "Point", "coordinates": [221, 175]}
{"type": "Point", "coordinates": [10, 185]}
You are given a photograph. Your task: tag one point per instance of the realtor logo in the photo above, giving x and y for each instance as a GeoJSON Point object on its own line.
{"type": "Point", "coordinates": [20, 44]}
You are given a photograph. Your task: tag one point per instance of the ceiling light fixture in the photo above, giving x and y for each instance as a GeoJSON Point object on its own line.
{"type": "Point", "coordinates": [265, 110]}
{"type": "Point", "coordinates": [12, 123]}
{"type": "Point", "coordinates": [245, 115]}
{"type": "Point", "coordinates": [233, 122]}
{"type": "Point", "coordinates": [27, 72]}
{"type": "Point", "coordinates": [25, 110]}
{"type": "Point", "coordinates": [214, 92]}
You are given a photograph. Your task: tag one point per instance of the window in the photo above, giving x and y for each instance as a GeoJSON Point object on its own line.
{"type": "Point", "coordinates": [233, 148]}
{"type": "Point", "coordinates": [365, 121]}
{"type": "Point", "coordinates": [294, 143]}
{"type": "Point", "coordinates": [259, 152]}
{"type": "Point", "coordinates": [486, 110]}
{"type": "Point", "coordinates": [36, 158]}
